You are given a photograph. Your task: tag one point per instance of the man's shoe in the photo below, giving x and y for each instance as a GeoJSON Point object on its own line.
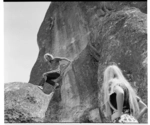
{"type": "Point", "coordinates": [41, 87]}
{"type": "Point", "coordinates": [56, 85]}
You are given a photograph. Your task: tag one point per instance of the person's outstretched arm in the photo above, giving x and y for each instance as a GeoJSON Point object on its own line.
{"type": "Point", "coordinates": [63, 61]}
{"type": "Point", "coordinates": [57, 59]}
{"type": "Point", "coordinates": [143, 109]}
{"type": "Point", "coordinates": [46, 73]}
{"type": "Point", "coordinates": [62, 58]}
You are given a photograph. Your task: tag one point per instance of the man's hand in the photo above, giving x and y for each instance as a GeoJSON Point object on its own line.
{"type": "Point", "coordinates": [44, 75]}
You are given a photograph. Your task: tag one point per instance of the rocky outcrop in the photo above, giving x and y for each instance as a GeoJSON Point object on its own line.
{"type": "Point", "coordinates": [122, 39]}
{"type": "Point", "coordinates": [76, 100]}
{"type": "Point", "coordinates": [93, 35]}
{"type": "Point", "coordinates": [25, 103]}
{"type": "Point", "coordinates": [66, 27]}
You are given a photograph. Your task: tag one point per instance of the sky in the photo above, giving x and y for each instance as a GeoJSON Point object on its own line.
{"type": "Point", "coordinates": [22, 21]}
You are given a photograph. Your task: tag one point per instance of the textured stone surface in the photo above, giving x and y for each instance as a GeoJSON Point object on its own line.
{"type": "Point", "coordinates": [77, 95]}
{"type": "Point", "coordinates": [66, 27]}
{"type": "Point", "coordinates": [123, 40]}
{"type": "Point", "coordinates": [93, 35]}
{"type": "Point", "coordinates": [25, 103]}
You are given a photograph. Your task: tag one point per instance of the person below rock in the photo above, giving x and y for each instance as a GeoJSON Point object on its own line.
{"type": "Point", "coordinates": [53, 76]}
{"type": "Point", "coordinates": [121, 102]}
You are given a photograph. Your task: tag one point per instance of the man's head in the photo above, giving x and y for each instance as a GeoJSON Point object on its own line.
{"type": "Point", "coordinates": [48, 57]}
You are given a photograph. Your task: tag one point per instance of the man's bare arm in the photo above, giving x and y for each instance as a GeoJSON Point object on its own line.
{"type": "Point", "coordinates": [58, 59]}
{"type": "Point", "coordinates": [46, 73]}
{"type": "Point", "coordinates": [62, 58]}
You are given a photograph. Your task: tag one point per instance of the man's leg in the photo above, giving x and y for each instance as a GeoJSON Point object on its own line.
{"type": "Point", "coordinates": [53, 75]}
{"type": "Point", "coordinates": [52, 82]}
{"type": "Point", "coordinates": [57, 82]}
{"type": "Point", "coordinates": [41, 84]}
{"type": "Point", "coordinates": [52, 79]}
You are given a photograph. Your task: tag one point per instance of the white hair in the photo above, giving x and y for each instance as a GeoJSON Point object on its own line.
{"type": "Point", "coordinates": [111, 73]}
{"type": "Point", "coordinates": [48, 54]}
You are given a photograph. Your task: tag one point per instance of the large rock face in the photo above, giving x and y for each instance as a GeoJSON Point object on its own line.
{"type": "Point", "coordinates": [93, 35]}
{"type": "Point", "coordinates": [123, 39]}
{"type": "Point", "coordinates": [25, 103]}
{"type": "Point", "coordinates": [66, 27]}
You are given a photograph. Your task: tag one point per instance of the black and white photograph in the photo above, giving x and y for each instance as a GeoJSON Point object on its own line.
{"type": "Point", "coordinates": [75, 62]}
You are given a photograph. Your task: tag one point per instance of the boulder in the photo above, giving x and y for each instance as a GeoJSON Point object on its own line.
{"type": "Point", "coordinates": [25, 103]}
{"type": "Point", "coordinates": [122, 39]}
{"type": "Point", "coordinates": [66, 27]}
{"type": "Point", "coordinates": [77, 97]}
{"type": "Point", "coordinates": [93, 35]}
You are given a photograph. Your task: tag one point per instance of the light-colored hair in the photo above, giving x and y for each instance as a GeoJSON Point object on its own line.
{"type": "Point", "coordinates": [48, 54]}
{"type": "Point", "coordinates": [111, 73]}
